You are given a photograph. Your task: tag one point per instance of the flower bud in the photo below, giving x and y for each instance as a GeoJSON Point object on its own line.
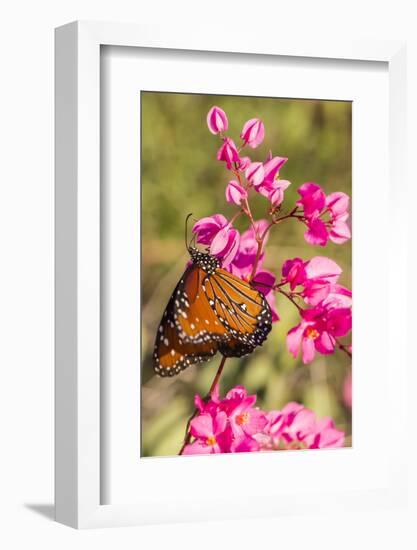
{"type": "Point", "coordinates": [235, 193]}
{"type": "Point", "coordinates": [217, 120]}
{"type": "Point", "coordinates": [253, 132]}
{"type": "Point", "coordinates": [228, 152]}
{"type": "Point", "coordinates": [255, 173]}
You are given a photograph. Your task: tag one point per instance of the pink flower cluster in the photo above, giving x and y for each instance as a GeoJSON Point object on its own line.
{"type": "Point", "coordinates": [233, 424]}
{"type": "Point", "coordinates": [330, 314]}
{"type": "Point", "coordinates": [325, 217]}
{"type": "Point", "coordinates": [263, 177]}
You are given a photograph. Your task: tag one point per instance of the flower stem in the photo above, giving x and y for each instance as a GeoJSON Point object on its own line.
{"type": "Point", "coordinates": [290, 298]}
{"type": "Point", "coordinates": [216, 379]}
{"type": "Point", "coordinates": [344, 348]}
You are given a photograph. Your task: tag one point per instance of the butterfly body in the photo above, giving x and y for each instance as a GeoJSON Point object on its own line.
{"type": "Point", "coordinates": [210, 310]}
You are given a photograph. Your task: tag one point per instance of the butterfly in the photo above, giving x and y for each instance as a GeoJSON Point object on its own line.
{"type": "Point", "coordinates": [210, 311]}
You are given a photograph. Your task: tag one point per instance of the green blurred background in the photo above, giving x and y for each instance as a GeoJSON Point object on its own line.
{"type": "Point", "coordinates": [180, 174]}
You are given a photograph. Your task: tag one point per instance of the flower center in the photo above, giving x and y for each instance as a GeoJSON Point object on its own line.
{"type": "Point", "coordinates": [211, 440]}
{"type": "Point", "coordinates": [242, 419]}
{"type": "Point", "coordinates": [312, 333]}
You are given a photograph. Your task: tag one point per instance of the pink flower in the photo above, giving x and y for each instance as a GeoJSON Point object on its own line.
{"type": "Point", "coordinates": [209, 433]}
{"type": "Point", "coordinates": [217, 120]}
{"type": "Point", "coordinates": [253, 132]}
{"type": "Point", "coordinates": [209, 406]}
{"type": "Point", "coordinates": [313, 199]}
{"type": "Point", "coordinates": [222, 238]}
{"type": "Point", "coordinates": [325, 435]}
{"type": "Point", "coordinates": [316, 205]}
{"type": "Point", "coordinates": [235, 193]}
{"type": "Point", "coordinates": [228, 152]}
{"type": "Point", "coordinates": [225, 245]}
{"type": "Point", "coordinates": [272, 167]}
{"type": "Point", "coordinates": [338, 204]}
{"type": "Point", "coordinates": [255, 173]}
{"type": "Point", "coordinates": [207, 228]}
{"type": "Point", "coordinates": [244, 163]}
{"type": "Point", "coordinates": [245, 420]}
{"type": "Point", "coordinates": [338, 297]}
{"type": "Point", "coordinates": [244, 444]}
{"type": "Point", "coordinates": [276, 191]}
{"type": "Point", "coordinates": [318, 276]}
{"type": "Point", "coordinates": [318, 330]}
{"type": "Point", "coordinates": [271, 187]}
{"type": "Point", "coordinates": [321, 276]}
{"type": "Point", "coordinates": [296, 427]}
{"type": "Point", "coordinates": [316, 233]}
{"type": "Point", "coordinates": [294, 273]}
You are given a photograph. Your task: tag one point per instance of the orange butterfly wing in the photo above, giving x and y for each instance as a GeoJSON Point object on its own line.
{"type": "Point", "coordinates": [206, 314]}
{"type": "Point", "coordinates": [241, 309]}
{"type": "Point", "coordinates": [194, 318]}
{"type": "Point", "coordinates": [189, 331]}
{"type": "Point", "coordinates": [172, 355]}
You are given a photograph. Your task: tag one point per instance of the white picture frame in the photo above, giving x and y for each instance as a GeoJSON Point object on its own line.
{"type": "Point", "coordinates": [78, 404]}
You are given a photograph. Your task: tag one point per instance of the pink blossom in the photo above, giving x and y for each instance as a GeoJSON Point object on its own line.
{"type": "Point", "coordinates": [317, 207]}
{"type": "Point", "coordinates": [217, 120]}
{"type": "Point", "coordinates": [209, 433]}
{"type": "Point", "coordinates": [326, 436]}
{"type": "Point", "coordinates": [318, 276]}
{"type": "Point", "coordinates": [276, 193]}
{"type": "Point", "coordinates": [272, 167]}
{"type": "Point", "coordinates": [225, 245]}
{"type": "Point", "coordinates": [321, 274]}
{"type": "Point", "coordinates": [338, 204]}
{"type": "Point", "coordinates": [296, 427]}
{"type": "Point", "coordinates": [235, 193]}
{"type": "Point", "coordinates": [207, 228]}
{"type": "Point", "coordinates": [208, 406]}
{"type": "Point", "coordinates": [219, 234]}
{"type": "Point", "coordinates": [313, 199]}
{"type": "Point", "coordinates": [338, 297]}
{"type": "Point", "coordinates": [228, 152]}
{"type": "Point", "coordinates": [321, 268]}
{"type": "Point", "coordinates": [255, 173]}
{"type": "Point", "coordinates": [293, 272]}
{"type": "Point", "coordinates": [318, 330]}
{"type": "Point", "coordinates": [244, 444]}
{"type": "Point", "coordinates": [244, 163]}
{"type": "Point", "coordinates": [244, 418]}
{"type": "Point", "coordinates": [253, 132]}
{"type": "Point", "coordinates": [271, 187]}
{"type": "Point", "coordinates": [316, 233]}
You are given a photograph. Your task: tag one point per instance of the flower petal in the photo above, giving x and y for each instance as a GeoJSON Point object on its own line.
{"type": "Point", "coordinates": [294, 338]}
{"type": "Point", "coordinates": [308, 350]}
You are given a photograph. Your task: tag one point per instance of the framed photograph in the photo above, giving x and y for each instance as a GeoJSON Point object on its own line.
{"type": "Point", "coordinates": [225, 333]}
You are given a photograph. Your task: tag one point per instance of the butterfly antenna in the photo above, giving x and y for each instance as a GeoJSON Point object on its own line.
{"type": "Point", "coordinates": [187, 246]}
